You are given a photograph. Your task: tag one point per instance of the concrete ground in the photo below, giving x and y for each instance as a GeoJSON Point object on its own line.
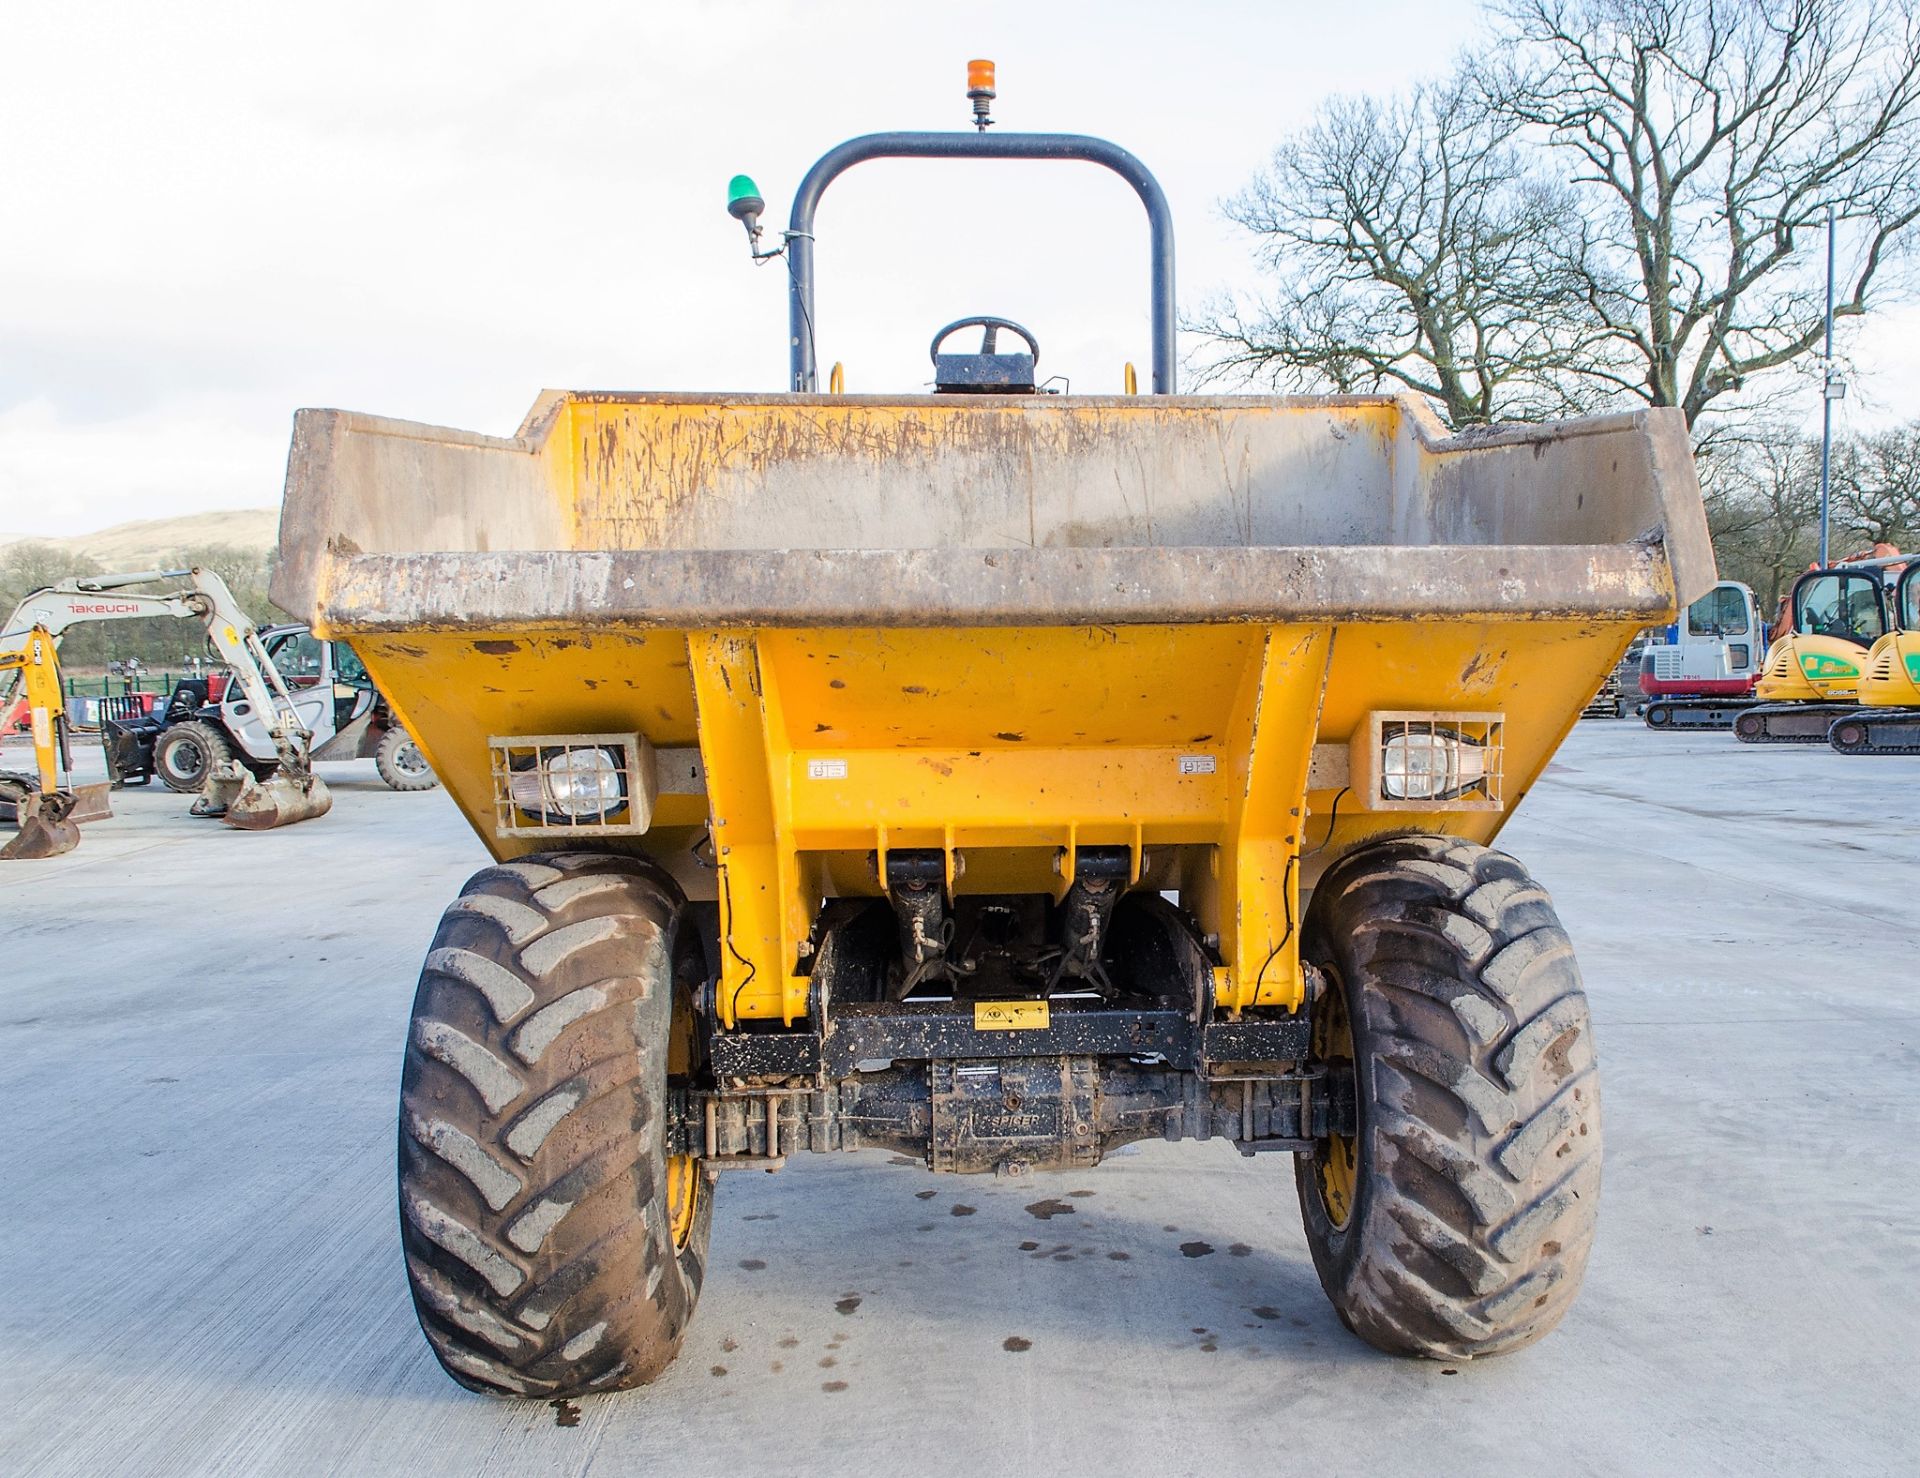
{"type": "Point", "coordinates": [201, 1273]}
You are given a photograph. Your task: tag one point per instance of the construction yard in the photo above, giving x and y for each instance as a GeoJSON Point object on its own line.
{"type": "Point", "coordinates": [203, 1033]}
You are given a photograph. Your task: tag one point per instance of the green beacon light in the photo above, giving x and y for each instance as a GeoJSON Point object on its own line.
{"type": "Point", "coordinates": [744, 205]}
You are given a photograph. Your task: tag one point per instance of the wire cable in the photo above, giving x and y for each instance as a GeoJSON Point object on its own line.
{"type": "Point", "coordinates": [1286, 899]}
{"type": "Point", "coordinates": [1286, 890]}
{"type": "Point", "coordinates": [733, 1005]}
{"type": "Point", "coordinates": [806, 316]}
{"type": "Point", "coordinates": [1333, 818]}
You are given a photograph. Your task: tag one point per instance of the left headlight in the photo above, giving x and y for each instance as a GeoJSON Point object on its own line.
{"type": "Point", "coordinates": [571, 785]}
{"type": "Point", "coordinates": [591, 784]}
{"type": "Point", "coordinates": [1430, 764]}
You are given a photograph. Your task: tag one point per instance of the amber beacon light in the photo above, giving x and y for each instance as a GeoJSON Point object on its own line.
{"type": "Point", "coordinates": [980, 89]}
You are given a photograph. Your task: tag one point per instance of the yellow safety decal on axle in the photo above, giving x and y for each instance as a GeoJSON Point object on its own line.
{"type": "Point", "coordinates": [1010, 1016]}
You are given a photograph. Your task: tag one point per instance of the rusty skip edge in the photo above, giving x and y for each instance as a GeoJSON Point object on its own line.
{"type": "Point", "coordinates": [1428, 429]}
{"type": "Point", "coordinates": [340, 541]}
{"type": "Point", "coordinates": [970, 587]}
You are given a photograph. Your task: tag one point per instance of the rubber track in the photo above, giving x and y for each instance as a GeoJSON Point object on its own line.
{"type": "Point", "coordinates": [1480, 1174]}
{"type": "Point", "coordinates": [14, 787]}
{"type": "Point", "coordinates": [1692, 716]}
{"type": "Point", "coordinates": [1811, 710]}
{"type": "Point", "coordinates": [532, 1185]}
{"type": "Point", "coordinates": [1891, 718]}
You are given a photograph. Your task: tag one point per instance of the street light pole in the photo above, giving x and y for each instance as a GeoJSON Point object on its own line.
{"type": "Point", "coordinates": [1826, 404]}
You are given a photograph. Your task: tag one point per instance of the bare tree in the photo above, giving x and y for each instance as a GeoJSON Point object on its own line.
{"type": "Point", "coordinates": [1762, 493]}
{"type": "Point", "coordinates": [1613, 200]}
{"type": "Point", "coordinates": [159, 641]}
{"type": "Point", "coordinates": [1411, 248]}
{"type": "Point", "coordinates": [1876, 487]}
{"type": "Point", "coordinates": [28, 564]}
{"type": "Point", "coordinates": [1762, 487]}
{"type": "Point", "coordinates": [1707, 139]}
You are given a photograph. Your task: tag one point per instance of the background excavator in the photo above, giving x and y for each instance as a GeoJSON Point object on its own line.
{"type": "Point", "coordinates": [1814, 668]}
{"type": "Point", "coordinates": [200, 728]}
{"type": "Point", "coordinates": [46, 804]}
{"type": "Point", "coordinates": [1699, 672]}
{"type": "Point", "coordinates": [1888, 720]}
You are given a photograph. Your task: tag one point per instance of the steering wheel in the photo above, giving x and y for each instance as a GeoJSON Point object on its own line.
{"type": "Point", "coordinates": [989, 339]}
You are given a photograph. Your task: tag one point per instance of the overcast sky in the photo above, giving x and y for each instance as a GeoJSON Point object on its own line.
{"type": "Point", "coordinates": [212, 214]}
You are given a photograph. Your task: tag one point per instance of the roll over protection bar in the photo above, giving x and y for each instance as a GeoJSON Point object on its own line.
{"type": "Point", "coordinates": [805, 377]}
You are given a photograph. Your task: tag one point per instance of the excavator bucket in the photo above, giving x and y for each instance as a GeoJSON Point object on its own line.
{"type": "Point", "coordinates": [243, 800]}
{"type": "Point", "coordinates": [279, 800]}
{"type": "Point", "coordinates": [48, 827]}
{"type": "Point", "coordinates": [92, 802]}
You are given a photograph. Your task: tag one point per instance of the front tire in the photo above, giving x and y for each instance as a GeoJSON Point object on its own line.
{"type": "Point", "coordinates": [553, 1248]}
{"type": "Point", "coordinates": [401, 764]}
{"type": "Point", "coordinates": [1457, 1222]}
{"type": "Point", "coordinates": [186, 754]}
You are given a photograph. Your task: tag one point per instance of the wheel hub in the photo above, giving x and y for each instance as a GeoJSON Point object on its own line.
{"type": "Point", "coordinates": [683, 1197]}
{"type": "Point", "coordinates": [1337, 1157]}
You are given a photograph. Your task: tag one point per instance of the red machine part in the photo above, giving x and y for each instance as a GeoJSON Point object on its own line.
{"type": "Point", "coordinates": [1705, 687]}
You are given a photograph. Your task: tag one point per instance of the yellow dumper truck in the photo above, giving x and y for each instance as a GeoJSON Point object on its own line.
{"type": "Point", "coordinates": [991, 776]}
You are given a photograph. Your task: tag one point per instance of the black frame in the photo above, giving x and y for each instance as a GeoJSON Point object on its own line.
{"type": "Point", "coordinates": [1869, 573]}
{"type": "Point", "coordinates": [803, 354]}
{"type": "Point", "coordinates": [920, 1031]}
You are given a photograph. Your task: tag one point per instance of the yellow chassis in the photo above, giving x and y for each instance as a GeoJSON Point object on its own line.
{"type": "Point", "coordinates": [1215, 753]}
{"type": "Point", "coordinates": [1007, 628]}
{"type": "Point", "coordinates": [1892, 672]}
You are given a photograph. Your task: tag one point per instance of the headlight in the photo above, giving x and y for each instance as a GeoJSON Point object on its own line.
{"type": "Point", "coordinates": [581, 784]}
{"type": "Point", "coordinates": [570, 785]}
{"type": "Point", "coordinates": [1429, 764]}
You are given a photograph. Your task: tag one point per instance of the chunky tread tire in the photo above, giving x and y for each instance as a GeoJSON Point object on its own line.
{"type": "Point", "coordinates": [186, 754]}
{"type": "Point", "coordinates": [400, 769]}
{"type": "Point", "coordinates": [533, 1181]}
{"type": "Point", "coordinates": [1478, 1175]}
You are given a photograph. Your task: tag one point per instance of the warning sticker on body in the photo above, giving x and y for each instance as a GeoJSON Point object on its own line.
{"type": "Point", "coordinates": [826, 769]}
{"type": "Point", "coordinates": [1196, 764]}
{"type": "Point", "coordinates": [1011, 1016]}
